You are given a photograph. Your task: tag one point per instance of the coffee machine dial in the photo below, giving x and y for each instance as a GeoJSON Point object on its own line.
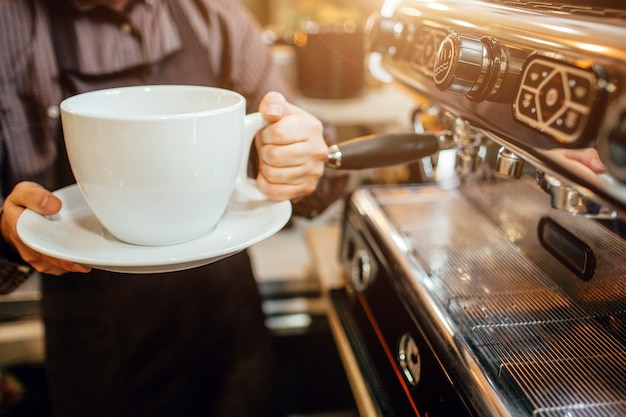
{"type": "Point", "coordinates": [479, 68]}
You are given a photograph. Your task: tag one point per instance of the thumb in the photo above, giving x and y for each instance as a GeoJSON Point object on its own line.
{"type": "Point", "coordinates": [35, 197]}
{"type": "Point", "coordinates": [273, 106]}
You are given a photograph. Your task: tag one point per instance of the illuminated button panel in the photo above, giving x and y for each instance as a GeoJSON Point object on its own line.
{"type": "Point", "coordinates": [556, 98]}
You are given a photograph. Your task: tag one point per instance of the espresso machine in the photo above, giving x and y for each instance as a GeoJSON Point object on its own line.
{"type": "Point", "coordinates": [496, 285]}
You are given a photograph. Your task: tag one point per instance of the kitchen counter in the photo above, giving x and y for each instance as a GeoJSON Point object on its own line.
{"type": "Point", "coordinates": [21, 330]}
{"type": "Point", "coordinates": [21, 342]}
{"type": "Point", "coordinates": [382, 108]}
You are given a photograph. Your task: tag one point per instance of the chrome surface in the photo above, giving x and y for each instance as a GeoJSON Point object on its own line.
{"type": "Point", "coordinates": [362, 271]}
{"type": "Point", "coordinates": [333, 160]}
{"type": "Point", "coordinates": [410, 359]}
{"type": "Point", "coordinates": [517, 288]}
{"type": "Point", "coordinates": [570, 200]}
{"type": "Point", "coordinates": [526, 335]}
{"type": "Point", "coordinates": [538, 78]}
{"type": "Point", "coordinates": [509, 165]}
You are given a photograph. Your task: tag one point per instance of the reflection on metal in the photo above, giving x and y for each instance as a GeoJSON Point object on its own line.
{"type": "Point", "coordinates": [410, 359]}
{"type": "Point", "coordinates": [503, 316]}
{"type": "Point", "coordinates": [362, 270]}
{"type": "Point", "coordinates": [468, 142]}
{"type": "Point", "coordinates": [509, 165]}
{"type": "Point", "coordinates": [333, 160]}
{"type": "Point", "coordinates": [290, 324]}
{"type": "Point", "coordinates": [568, 199]}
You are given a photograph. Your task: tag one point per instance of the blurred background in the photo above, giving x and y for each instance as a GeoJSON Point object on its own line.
{"type": "Point", "coordinates": [287, 12]}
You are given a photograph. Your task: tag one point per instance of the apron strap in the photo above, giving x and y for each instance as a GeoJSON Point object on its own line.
{"type": "Point", "coordinates": [64, 40]}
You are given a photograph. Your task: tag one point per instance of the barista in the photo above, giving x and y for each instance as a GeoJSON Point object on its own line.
{"type": "Point", "coordinates": [173, 344]}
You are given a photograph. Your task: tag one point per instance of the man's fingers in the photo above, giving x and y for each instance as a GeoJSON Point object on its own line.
{"type": "Point", "coordinates": [35, 197]}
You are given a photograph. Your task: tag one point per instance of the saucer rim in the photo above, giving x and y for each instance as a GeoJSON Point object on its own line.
{"type": "Point", "coordinates": [279, 212]}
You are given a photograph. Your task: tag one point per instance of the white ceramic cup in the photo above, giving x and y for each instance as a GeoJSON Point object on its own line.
{"type": "Point", "coordinates": [157, 165]}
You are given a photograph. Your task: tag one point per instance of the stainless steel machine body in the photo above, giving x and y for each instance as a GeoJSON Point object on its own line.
{"type": "Point", "coordinates": [487, 296]}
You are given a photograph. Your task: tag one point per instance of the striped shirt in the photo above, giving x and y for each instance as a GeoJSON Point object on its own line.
{"type": "Point", "coordinates": [108, 42]}
{"type": "Point", "coordinates": [146, 32]}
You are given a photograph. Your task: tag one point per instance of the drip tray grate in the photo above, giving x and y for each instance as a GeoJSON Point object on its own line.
{"type": "Point", "coordinates": [538, 329]}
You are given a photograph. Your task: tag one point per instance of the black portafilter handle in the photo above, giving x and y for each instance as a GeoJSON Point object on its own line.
{"type": "Point", "coordinates": [380, 150]}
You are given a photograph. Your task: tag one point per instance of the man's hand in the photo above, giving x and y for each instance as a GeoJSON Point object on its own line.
{"type": "Point", "coordinates": [35, 197]}
{"type": "Point", "coordinates": [292, 150]}
{"type": "Point", "coordinates": [578, 160]}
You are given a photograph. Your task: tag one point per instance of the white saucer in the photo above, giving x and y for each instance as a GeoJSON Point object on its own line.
{"type": "Point", "coordinates": [74, 234]}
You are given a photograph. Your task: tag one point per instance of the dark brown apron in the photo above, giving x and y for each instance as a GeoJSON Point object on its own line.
{"type": "Point", "coordinates": [191, 343]}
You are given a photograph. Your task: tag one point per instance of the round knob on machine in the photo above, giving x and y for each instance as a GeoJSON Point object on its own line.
{"type": "Point", "coordinates": [467, 65]}
{"type": "Point", "coordinates": [409, 358]}
{"type": "Point", "coordinates": [459, 63]}
{"type": "Point", "coordinates": [361, 272]}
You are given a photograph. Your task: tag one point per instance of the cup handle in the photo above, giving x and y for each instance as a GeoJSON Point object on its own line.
{"type": "Point", "coordinates": [245, 186]}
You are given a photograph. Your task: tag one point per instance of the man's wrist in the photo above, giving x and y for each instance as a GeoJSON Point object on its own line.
{"type": "Point", "coordinates": [7, 250]}
{"type": "Point", "coordinates": [13, 270]}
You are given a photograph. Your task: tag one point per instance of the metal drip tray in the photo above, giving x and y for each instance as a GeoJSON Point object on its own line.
{"type": "Point", "coordinates": [550, 342]}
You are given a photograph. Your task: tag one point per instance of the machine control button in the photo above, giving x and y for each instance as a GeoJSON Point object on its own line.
{"type": "Point", "coordinates": [527, 103]}
{"type": "Point", "coordinates": [536, 73]}
{"type": "Point", "coordinates": [556, 98]}
{"type": "Point", "coordinates": [552, 94]}
{"type": "Point", "coordinates": [567, 122]}
{"type": "Point", "coordinates": [480, 68]}
{"type": "Point", "coordinates": [410, 359]}
{"type": "Point", "coordinates": [461, 64]}
{"type": "Point", "coordinates": [580, 88]}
